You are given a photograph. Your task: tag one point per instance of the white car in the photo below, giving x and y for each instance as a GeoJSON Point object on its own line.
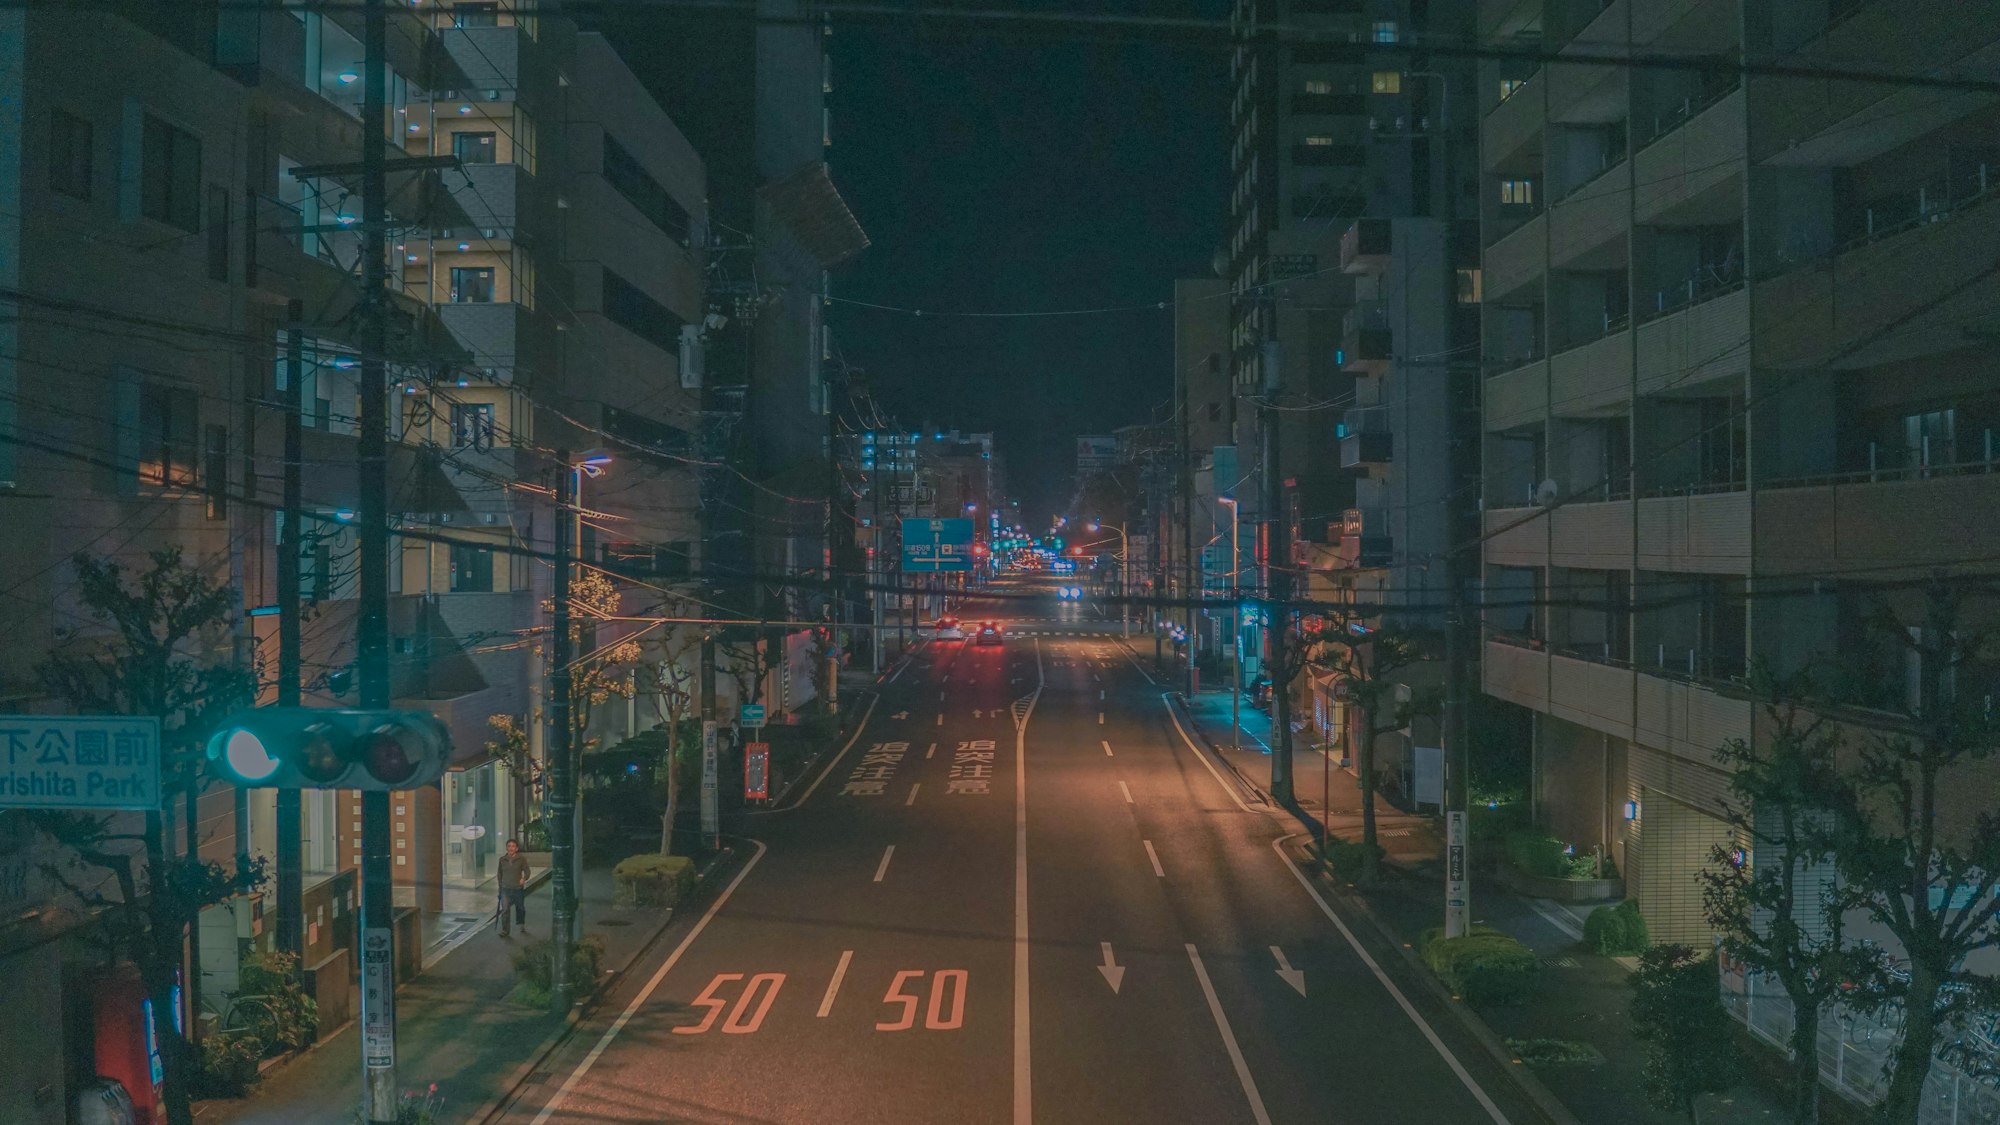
{"type": "Point", "coordinates": [948, 630]}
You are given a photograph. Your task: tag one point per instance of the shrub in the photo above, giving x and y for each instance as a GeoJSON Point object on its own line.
{"type": "Point", "coordinates": [1617, 930]}
{"type": "Point", "coordinates": [273, 1002]}
{"type": "Point", "coordinates": [226, 1066]}
{"type": "Point", "coordinates": [1554, 1052]}
{"type": "Point", "coordinates": [1537, 853]}
{"type": "Point", "coordinates": [1492, 823]}
{"type": "Point", "coordinates": [534, 962]}
{"type": "Point", "coordinates": [1485, 968]}
{"type": "Point", "coordinates": [652, 880]}
{"type": "Point", "coordinates": [535, 836]}
{"type": "Point", "coordinates": [1344, 858]}
{"type": "Point", "coordinates": [1677, 1012]}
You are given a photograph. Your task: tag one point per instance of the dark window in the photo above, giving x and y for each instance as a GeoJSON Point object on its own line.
{"type": "Point", "coordinates": [1351, 105]}
{"type": "Point", "coordinates": [644, 317]}
{"type": "Point", "coordinates": [168, 421]}
{"type": "Point", "coordinates": [218, 233]}
{"type": "Point", "coordinates": [475, 15]}
{"type": "Point", "coordinates": [472, 424]}
{"type": "Point", "coordinates": [170, 180]}
{"type": "Point", "coordinates": [623, 171]}
{"type": "Point", "coordinates": [471, 569]}
{"type": "Point", "coordinates": [69, 154]}
{"type": "Point", "coordinates": [215, 470]}
{"type": "Point", "coordinates": [1321, 155]}
{"type": "Point", "coordinates": [471, 285]}
{"type": "Point", "coordinates": [473, 148]}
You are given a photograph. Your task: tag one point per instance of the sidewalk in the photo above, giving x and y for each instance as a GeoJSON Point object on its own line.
{"type": "Point", "coordinates": [455, 1026]}
{"type": "Point", "coordinates": [1583, 996]}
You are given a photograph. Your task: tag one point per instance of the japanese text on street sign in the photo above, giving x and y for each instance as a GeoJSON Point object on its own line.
{"type": "Point", "coordinates": [757, 771]}
{"type": "Point", "coordinates": [711, 807]}
{"type": "Point", "coordinates": [79, 762]}
{"type": "Point", "coordinates": [378, 999]}
{"type": "Point", "coordinates": [937, 544]}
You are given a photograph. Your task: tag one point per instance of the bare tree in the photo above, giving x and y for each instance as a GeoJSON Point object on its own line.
{"type": "Point", "coordinates": [159, 620]}
{"type": "Point", "coordinates": [677, 701]}
{"type": "Point", "coordinates": [1369, 661]}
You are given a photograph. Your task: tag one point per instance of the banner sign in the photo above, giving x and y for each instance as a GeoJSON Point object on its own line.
{"type": "Point", "coordinates": [79, 762]}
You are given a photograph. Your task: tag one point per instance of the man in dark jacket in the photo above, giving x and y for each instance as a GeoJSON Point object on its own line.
{"type": "Point", "coordinates": [513, 888]}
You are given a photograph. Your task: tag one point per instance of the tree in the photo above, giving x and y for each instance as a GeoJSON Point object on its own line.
{"type": "Point", "coordinates": [1778, 911]}
{"type": "Point", "coordinates": [1677, 1011]}
{"type": "Point", "coordinates": [157, 622]}
{"type": "Point", "coordinates": [678, 702]}
{"type": "Point", "coordinates": [1928, 882]}
{"type": "Point", "coordinates": [1369, 660]}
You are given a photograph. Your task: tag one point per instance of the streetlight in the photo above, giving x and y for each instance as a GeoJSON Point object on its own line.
{"type": "Point", "coordinates": [1236, 625]}
{"type": "Point", "coordinates": [1124, 575]}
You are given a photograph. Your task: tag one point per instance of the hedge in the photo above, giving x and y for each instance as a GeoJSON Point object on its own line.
{"type": "Point", "coordinates": [652, 880]}
{"type": "Point", "coordinates": [1344, 858]}
{"type": "Point", "coordinates": [1536, 853]}
{"type": "Point", "coordinates": [1485, 968]}
{"type": "Point", "coordinates": [1617, 930]}
{"type": "Point", "coordinates": [533, 962]}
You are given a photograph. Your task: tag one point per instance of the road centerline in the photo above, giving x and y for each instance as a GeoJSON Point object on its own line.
{"type": "Point", "coordinates": [1125, 789]}
{"type": "Point", "coordinates": [833, 986]}
{"type": "Point", "coordinates": [1250, 1093]}
{"type": "Point", "coordinates": [883, 868]}
{"type": "Point", "coordinates": [912, 798]}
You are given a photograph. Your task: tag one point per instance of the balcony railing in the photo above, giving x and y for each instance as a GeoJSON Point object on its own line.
{"type": "Point", "coordinates": [1936, 201]}
{"type": "Point", "coordinates": [1895, 463]}
{"type": "Point", "coordinates": [1685, 110]}
{"type": "Point", "coordinates": [1707, 283]}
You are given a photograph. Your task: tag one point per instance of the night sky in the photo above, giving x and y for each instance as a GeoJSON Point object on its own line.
{"type": "Point", "coordinates": [1005, 175]}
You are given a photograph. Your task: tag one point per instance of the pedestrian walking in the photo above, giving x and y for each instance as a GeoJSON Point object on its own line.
{"type": "Point", "coordinates": [513, 888]}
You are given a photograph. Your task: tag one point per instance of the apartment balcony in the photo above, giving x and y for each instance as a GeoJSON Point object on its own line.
{"type": "Point", "coordinates": [1585, 224]}
{"type": "Point", "coordinates": [1368, 450]}
{"type": "Point", "coordinates": [1513, 129]}
{"type": "Point", "coordinates": [1504, 19]}
{"type": "Point", "coordinates": [1365, 542]}
{"type": "Point", "coordinates": [1593, 693]}
{"type": "Point", "coordinates": [1591, 535]}
{"type": "Point", "coordinates": [1367, 344]}
{"type": "Point", "coordinates": [1517, 262]}
{"type": "Point", "coordinates": [1591, 377]}
{"type": "Point", "coordinates": [1892, 292]}
{"type": "Point", "coordinates": [1692, 170]}
{"type": "Point", "coordinates": [1366, 246]}
{"type": "Point", "coordinates": [1517, 536]}
{"type": "Point", "coordinates": [1516, 673]}
{"type": "Point", "coordinates": [1698, 344]}
{"type": "Point", "coordinates": [489, 56]}
{"type": "Point", "coordinates": [1699, 533]}
{"type": "Point", "coordinates": [491, 194]}
{"type": "Point", "coordinates": [1916, 519]}
{"type": "Point", "coordinates": [1686, 719]}
{"type": "Point", "coordinates": [1517, 396]}
{"type": "Point", "coordinates": [1582, 93]}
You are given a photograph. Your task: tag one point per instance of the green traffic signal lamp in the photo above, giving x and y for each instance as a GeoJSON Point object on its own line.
{"type": "Point", "coordinates": [326, 748]}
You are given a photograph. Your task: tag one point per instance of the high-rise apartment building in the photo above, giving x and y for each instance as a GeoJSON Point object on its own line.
{"type": "Point", "coordinates": [1741, 382]}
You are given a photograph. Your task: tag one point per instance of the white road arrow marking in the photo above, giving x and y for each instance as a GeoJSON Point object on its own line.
{"type": "Point", "coordinates": [1114, 973]}
{"type": "Point", "coordinates": [975, 712]}
{"type": "Point", "coordinates": [1294, 977]}
{"type": "Point", "coordinates": [900, 715]}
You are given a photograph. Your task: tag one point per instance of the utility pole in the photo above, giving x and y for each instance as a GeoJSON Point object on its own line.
{"type": "Point", "coordinates": [1277, 584]}
{"type": "Point", "coordinates": [291, 906]}
{"type": "Point", "coordinates": [1185, 478]}
{"type": "Point", "coordinates": [562, 763]}
{"type": "Point", "coordinates": [378, 976]}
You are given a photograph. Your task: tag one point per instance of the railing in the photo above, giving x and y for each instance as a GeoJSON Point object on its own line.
{"type": "Point", "coordinates": [1687, 109]}
{"type": "Point", "coordinates": [1694, 488]}
{"type": "Point", "coordinates": [1612, 159]}
{"type": "Point", "coordinates": [1894, 463]}
{"type": "Point", "coordinates": [1939, 200]}
{"type": "Point", "coordinates": [1708, 283]}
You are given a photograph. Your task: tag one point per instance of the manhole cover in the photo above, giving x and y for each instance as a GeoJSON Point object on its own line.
{"type": "Point", "coordinates": [613, 922]}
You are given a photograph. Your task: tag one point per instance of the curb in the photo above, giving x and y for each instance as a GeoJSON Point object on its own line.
{"type": "Point", "coordinates": [872, 695]}
{"type": "Point", "coordinates": [510, 1086]}
{"type": "Point", "coordinates": [1551, 1107]}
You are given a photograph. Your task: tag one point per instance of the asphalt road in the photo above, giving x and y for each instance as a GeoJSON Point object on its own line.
{"type": "Point", "coordinates": [1020, 894]}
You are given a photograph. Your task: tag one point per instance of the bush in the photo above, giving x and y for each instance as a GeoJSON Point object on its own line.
{"type": "Point", "coordinates": [1554, 1052]}
{"type": "Point", "coordinates": [1536, 853]}
{"type": "Point", "coordinates": [1617, 930]}
{"type": "Point", "coordinates": [652, 880]}
{"type": "Point", "coordinates": [1492, 823]}
{"type": "Point", "coordinates": [273, 1002]}
{"type": "Point", "coordinates": [226, 1065]}
{"type": "Point", "coordinates": [535, 961]}
{"type": "Point", "coordinates": [535, 836]}
{"type": "Point", "coordinates": [1485, 968]}
{"type": "Point", "coordinates": [1344, 858]}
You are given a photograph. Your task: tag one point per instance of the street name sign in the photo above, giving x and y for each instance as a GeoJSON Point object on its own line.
{"type": "Point", "coordinates": [935, 545]}
{"type": "Point", "coordinates": [79, 762]}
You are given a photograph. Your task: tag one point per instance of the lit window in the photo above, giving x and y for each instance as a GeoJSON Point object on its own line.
{"type": "Point", "coordinates": [1469, 286]}
{"type": "Point", "coordinates": [1509, 85]}
{"type": "Point", "coordinates": [471, 285]}
{"type": "Point", "coordinates": [1319, 142]}
{"type": "Point", "coordinates": [1318, 86]}
{"type": "Point", "coordinates": [1385, 31]}
{"type": "Point", "coordinates": [1517, 192]}
{"type": "Point", "coordinates": [1388, 81]}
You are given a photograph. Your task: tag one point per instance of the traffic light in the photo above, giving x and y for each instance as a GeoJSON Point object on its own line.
{"type": "Point", "coordinates": [327, 748]}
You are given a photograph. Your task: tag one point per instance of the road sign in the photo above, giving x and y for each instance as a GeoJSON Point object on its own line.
{"type": "Point", "coordinates": [757, 771]}
{"type": "Point", "coordinates": [79, 762]}
{"type": "Point", "coordinates": [1343, 689]}
{"type": "Point", "coordinates": [750, 715]}
{"type": "Point", "coordinates": [711, 809]}
{"type": "Point", "coordinates": [933, 545]}
{"type": "Point", "coordinates": [378, 984]}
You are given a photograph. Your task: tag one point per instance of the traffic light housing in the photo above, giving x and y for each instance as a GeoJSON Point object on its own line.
{"type": "Point", "coordinates": [330, 748]}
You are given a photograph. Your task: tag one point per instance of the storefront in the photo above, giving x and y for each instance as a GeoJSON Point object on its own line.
{"type": "Point", "coordinates": [479, 816]}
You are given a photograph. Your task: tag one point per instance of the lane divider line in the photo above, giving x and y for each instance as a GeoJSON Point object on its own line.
{"type": "Point", "coordinates": [851, 740]}
{"type": "Point", "coordinates": [1107, 748]}
{"type": "Point", "coordinates": [833, 986]}
{"type": "Point", "coordinates": [912, 798]}
{"type": "Point", "coordinates": [1250, 1093]}
{"type": "Point", "coordinates": [1155, 857]}
{"type": "Point", "coordinates": [1024, 1082]}
{"type": "Point", "coordinates": [1100, 718]}
{"type": "Point", "coordinates": [1125, 789]}
{"type": "Point", "coordinates": [940, 721]}
{"type": "Point", "coordinates": [883, 868]}
{"type": "Point", "coordinates": [1402, 1001]}
{"type": "Point", "coordinates": [932, 750]}
{"type": "Point", "coordinates": [618, 1025]}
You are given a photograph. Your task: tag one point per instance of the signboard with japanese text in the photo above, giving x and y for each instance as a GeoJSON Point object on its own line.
{"type": "Point", "coordinates": [79, 762]}
{"type": "Point", "coordinates": [931, 545]}
{"type": "Point", "coordinates": [711, 808]}
{"type": "Point", "coordinates": [757, 771]}
{"type": "Point", "coordinates": [378, 998]}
